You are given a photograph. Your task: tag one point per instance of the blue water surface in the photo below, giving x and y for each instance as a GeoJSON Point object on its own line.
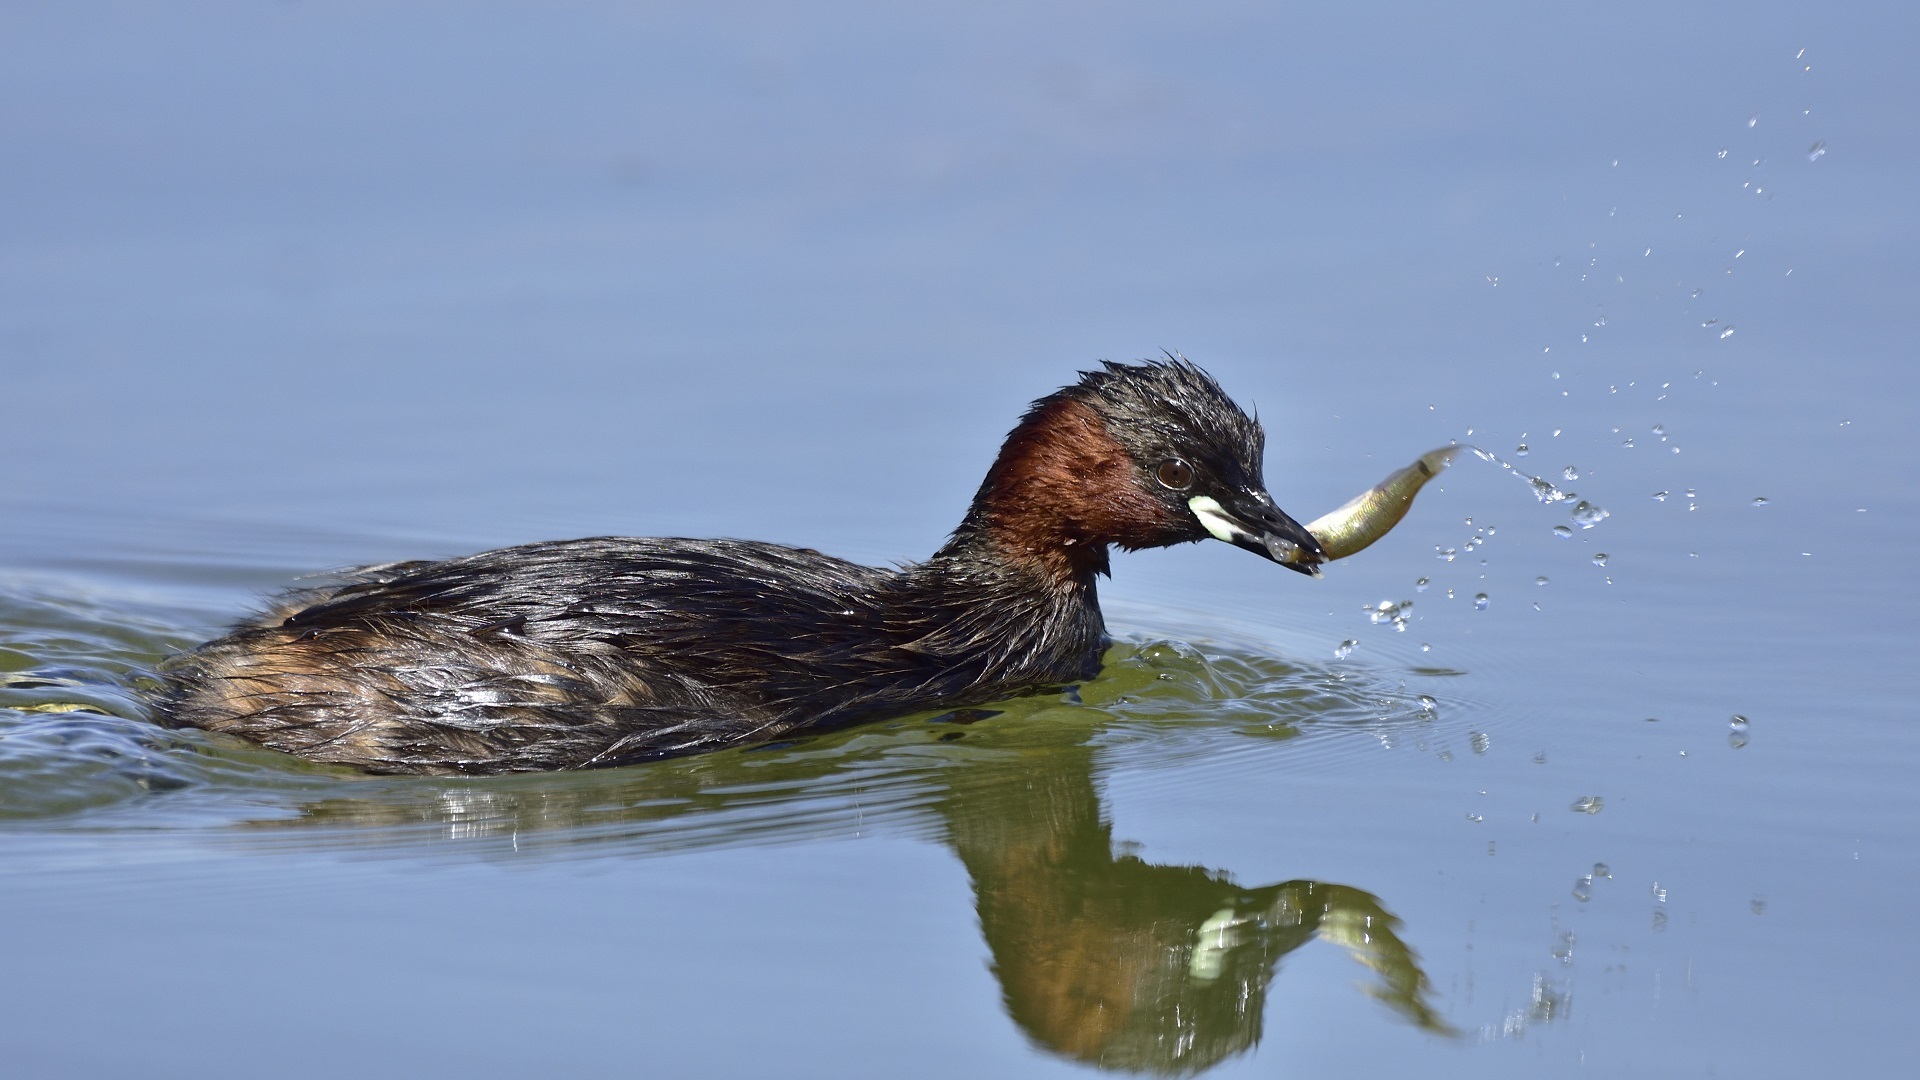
{"type": "Point", "coordinates": [292, 286]}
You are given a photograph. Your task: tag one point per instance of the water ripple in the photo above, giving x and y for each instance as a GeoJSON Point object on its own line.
{"type": "Point", "coordinates": [78, 753]}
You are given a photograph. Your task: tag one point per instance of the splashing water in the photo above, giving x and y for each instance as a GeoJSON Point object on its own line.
{"type": "Point", "coordinates": [1389, 613]}
{"type": "Point", "coordinates": [1543, 489]}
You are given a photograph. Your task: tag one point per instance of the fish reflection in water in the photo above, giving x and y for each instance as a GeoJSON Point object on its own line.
{"type": "Point", "coordinates": [1102, 957]}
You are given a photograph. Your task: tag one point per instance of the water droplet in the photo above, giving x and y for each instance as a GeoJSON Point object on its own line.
{"type": "Point", "coordinates": [1420, 585]}
{"type": "Point", "coordinates": [1582, 891]}
{"type": "Point", "coordinates": [1540, 758]}
{"type": "Point", "coordinates": [1753, 120]}
{"type": "Point", "coordinates": [1602, 871]}
{"type": "Point", "coordinates": [1600, 559]}
{"type": "Point", "coordinates": [1727, 333]}
{"type": "Point", "coordinates": [1345, 649]}
{"type": "Point", "coordinates": [1389, 612]}
{"type": "Point", "coordinates": [1562, 532]}
{"type": "Point", "coordinates": [1628, 443]}
{"type": "Point", "coordinates": [1586, 515]}
{"type": "Point", "coordinates": [1427, 704]}
{"type": "Point", "coordinates": [1761, 501]}
{"type": "Point", "coordinates": [1480, 601]}
{"type": "Point", "coordinates": [1520, 451]}
{"type": "Point", "coordinates": [1659, 921]}
{"type": "Point", "coordinates": [1480, 741]}
{"type": "Point", "coordinates": [1660, 430]}
{"type": "Point", "coordinates": [1446, 554]}
{"type": "Point", "coordinates": [1588, 804]}
{"type": "Point", "coordinates": [1570, 473]}
{"type": "Point", "coordinates": [1738, 739]}
{"type": "Point", "coordinates": [1541, 580]}
{"type": "Point", "coordinates": [1697, 292]}
{"type": "Point", "coordinates": [1722, 153]}
{"type": "Point", "coordinates": [1545, 491]}
{"type": "Point", "coordinates": [1710, 324]}
{"type": "Point", "coordinates": [1758, 905]}
{"type": "Point", "coordinates": [1738, 723]}
{"type": "Point", "coordinates": [1658, 893]}
{"type": "Point", "coordinates": [1816, 151]}
{"type": "Point", "coordinates": [1475, 818]}
{"type": "Point", "coordinates": [1660, 496]}
{"type": "Point", "coordinates": [1424, 647]}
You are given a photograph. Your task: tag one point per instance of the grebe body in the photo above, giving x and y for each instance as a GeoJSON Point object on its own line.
{"type": "Point", "coordinates": [606, 651]}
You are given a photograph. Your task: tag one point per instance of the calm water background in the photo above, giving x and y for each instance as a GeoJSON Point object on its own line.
{"type": "Point", "coordinates": [286, 287]}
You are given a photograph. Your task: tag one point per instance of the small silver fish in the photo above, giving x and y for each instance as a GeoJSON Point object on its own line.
{"type": "Point", "coordinates": [1373, 513]}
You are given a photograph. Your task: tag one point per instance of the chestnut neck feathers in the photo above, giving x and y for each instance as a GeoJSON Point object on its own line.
{"type": "Point", "coordinates": [1076, 474]}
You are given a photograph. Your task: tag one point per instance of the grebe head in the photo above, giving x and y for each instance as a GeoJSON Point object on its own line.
{"type": "Point", "coordinates": [1138, 455]}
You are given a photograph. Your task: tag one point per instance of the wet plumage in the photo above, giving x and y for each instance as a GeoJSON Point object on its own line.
{"type": "Point", "coordinates": [599, 652]}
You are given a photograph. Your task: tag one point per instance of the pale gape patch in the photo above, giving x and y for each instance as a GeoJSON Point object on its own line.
{"type": "Point", "coordinates": [1214, 519]}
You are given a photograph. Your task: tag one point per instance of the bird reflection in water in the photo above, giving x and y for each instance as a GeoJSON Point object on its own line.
{"type": "Point", "coordinates": [1118, 962]}
{"type": "Point", "coordinates": [1102, 957]}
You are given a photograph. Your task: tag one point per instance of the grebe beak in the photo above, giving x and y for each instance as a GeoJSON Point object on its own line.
{"type": "Point", "coordinates": [1249, 519]}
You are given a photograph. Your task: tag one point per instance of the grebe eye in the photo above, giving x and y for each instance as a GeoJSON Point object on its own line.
{"type": "Point", "coordinates": [1175, 474]}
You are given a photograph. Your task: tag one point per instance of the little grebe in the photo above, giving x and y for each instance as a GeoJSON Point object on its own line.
{"type": "Point", "coordinates": [589, 653]}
